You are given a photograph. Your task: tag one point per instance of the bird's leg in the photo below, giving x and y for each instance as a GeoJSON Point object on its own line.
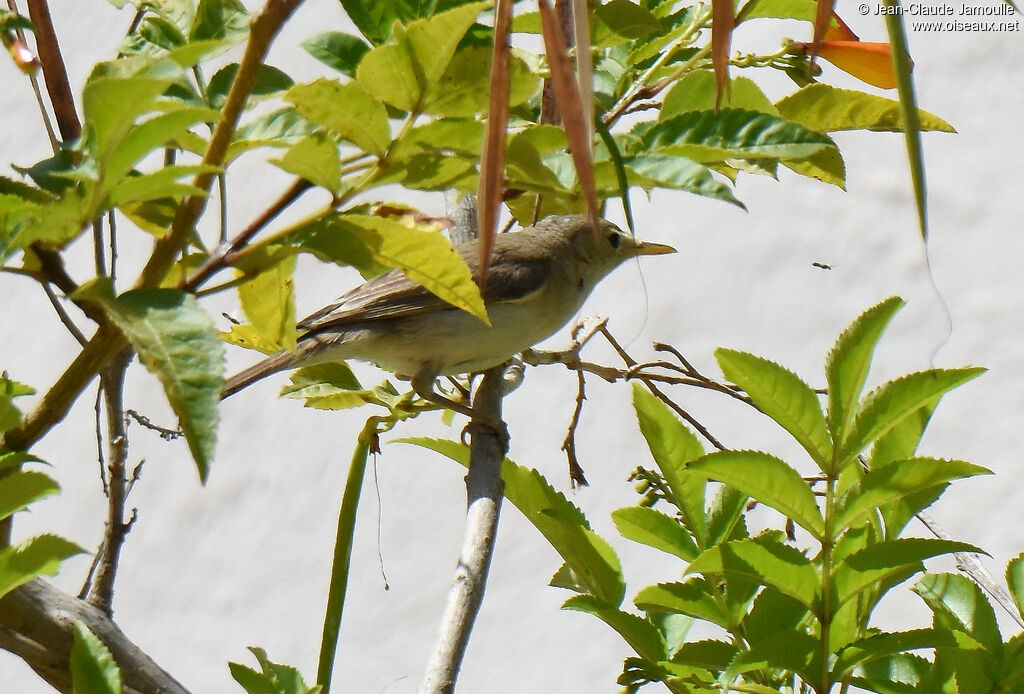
{"type": "Point", "coordinates": [423, 384]}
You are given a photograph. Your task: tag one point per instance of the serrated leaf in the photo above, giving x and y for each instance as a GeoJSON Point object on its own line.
{"type": "Point", "coordinates": [653, 528]}
{"type": "Point", "coordinates": [707, 136]}
{"type": "Point", "coordinates": [462, 90]}
{"type": "Point", "coordinates": [37, 556]}
{"type": "Point", "coordinates": [93, 670]}
{"type": "Point", "coordinates": [882, 561]}
{"type": "Point", "coordinates": [642, 636]}
{"type": "Point", "coordinates": [697, 92]}
{"type": "Point", "coordinates": [152, 134]}
{"type": "Point", "coordinates": [673, 445]}
{"type": "Point", "coordinates": [767, 479]}
{"type": "Point", "coordinates": [401, 72]}
{"type": "Point", "coordinates": [268, 301]}
{"type": "Point", "coordinates": [826, 166]}
{"type": "Point", "coordinates": [764, 562]}
{"type": "Point", "coordinates": [627, 19]}
{"type": "Point", "coordinates": [780, 394]}
{"type": "Point", "coordinates": [337, 50]}
{"type": "Point", "coordinates": [269, 81]}
{"type": "Point", "coordinates": [847, 365]}
{"type": "Point", "coordinates": [110, 106]}
{"type": "Point", "coordinates": [890, 403]}
{"type": "Point", "coordinates": [710, 655]}
{"type": "Point", "coordinates": [425, 257]}
{"type": "Point", "coordinates": [885, 486]}
{"type": "Point", "coordinates": [158, 185]}
{"type": "Point", "coordinates": [347, 109]}
{"type": "Point", "coordinates": [330, 386]}
{"type": "Point", "coordinates": [1015, 581]}
{"type": "Point", "coordinates": [885, 644]}
{"type": "Point", "coordinates": [958, 603]}
{"type": "Point", "coordinates": [281, 128]}
{"type": "Point", "coordinates": [591, 558]}
{"type": "Point", "coordinates": [20, 488]}
{"type": "Point", "coordinates": [825, 108]}
{"type": "Point", "coordinates": [695, 598]}
{"type": "Point", "coordinates": [176, 340]}
{"type": "Point", "coordinates": [657, 169]}
{"type": "Point", "coordinates": [795, 651]}
{"type": "Point", "coordinates": [273, 678]}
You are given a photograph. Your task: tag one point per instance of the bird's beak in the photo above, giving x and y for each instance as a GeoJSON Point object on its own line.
{"type": "Point", "coordinates": [653, 248]}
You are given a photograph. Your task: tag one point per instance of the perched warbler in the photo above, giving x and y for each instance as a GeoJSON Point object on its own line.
{"type": "Point", "coordinates": [538, 279]}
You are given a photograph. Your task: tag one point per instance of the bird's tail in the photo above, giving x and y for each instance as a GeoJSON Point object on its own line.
{"type": "Point", "coordinates": [272, 364]}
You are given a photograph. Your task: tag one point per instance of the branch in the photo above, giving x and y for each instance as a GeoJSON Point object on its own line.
{"type": "Point", "coordinates": [118, 485]}
{"type": "Point", "coordinates": [484, 490]}
{"type": "Point", "coordinates": [36, 622]}
{"type": "Point", "coordinates": [54, 72]}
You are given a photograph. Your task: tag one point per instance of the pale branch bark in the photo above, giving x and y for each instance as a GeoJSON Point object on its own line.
{"type": "Point", "coordinates": [484, 490]}
{"type": "Point", "coordinates": [36, 623]}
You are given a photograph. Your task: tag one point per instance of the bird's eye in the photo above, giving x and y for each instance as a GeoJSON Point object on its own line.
{"type": "Point", "coordinates": [614, 238]}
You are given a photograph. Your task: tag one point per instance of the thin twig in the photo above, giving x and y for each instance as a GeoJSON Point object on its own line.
{"type": "Point", "coordinates": [102, 592]}
{"type": "Point", "coordinates": [576, 476]}
{"type": "Point", "coordinates": [55, 73]}
{"type": "Point", "coordinates": [63, 315]}
{"type": "Point", "coordinates": [165, 434]}
{"type": "Point", "coordinates": [222, 256]}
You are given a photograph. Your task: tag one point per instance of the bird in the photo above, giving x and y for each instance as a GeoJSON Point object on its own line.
{"type": "Point", "coordinates": [538, 279]}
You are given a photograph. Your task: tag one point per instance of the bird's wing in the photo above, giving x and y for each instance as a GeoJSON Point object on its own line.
{"type": "Point", "coordinates": [393, 295]}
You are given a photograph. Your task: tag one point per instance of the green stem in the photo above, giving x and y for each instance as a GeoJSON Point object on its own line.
{"type": "Point", "coordinates": [827, 547]}
{"type": "Point", "coordinates": [343, 554]}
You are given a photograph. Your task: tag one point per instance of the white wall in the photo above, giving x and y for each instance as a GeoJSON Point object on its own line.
{"type": "Point", "coordinates": [208, 571]}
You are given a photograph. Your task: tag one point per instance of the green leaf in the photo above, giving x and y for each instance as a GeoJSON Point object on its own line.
{"type": "Point", "coordinates": [707, 136]}
{"type": "Point", "coordinates": [642, 636]}
{"type": "Point", "coordinates": [316, 159]}
{"type": "Point", "coordinates": [710, 655]}
{"type": "Point", "coordinates": [400, 73]}
{"type": "Point", "coordinates": [347, 109]}
{"type": "Point", "coordinates": [673, 445]}
{"type": "Point", "coordinates": [848, 363]}
{"type": "Point", "coordinates": [887, 644]}
{"type": "Point", "coordinates": [653, 528]}
{"type": "Point", "coordinates": [767, 479]}
{"type": "Point", "coordinates": [268, 300]}
{"type": "Point", "coordinates": [826, 166]}
{"type": "Point", "coordinates": [825, 108]}
{"type": "Point", "coordinates": [425, 257]}
{"type": "Point", "coordinates": [269, 81]}
{"type": "Point", "coordinates": [338, 50]}
{"type": "Point", "coordinates": [330, 386]}
{"type": "Point", "coordinates": [780, 394]}
{"type": "Point", "coordinates": [778, 9]}
{"type": "Point", "coordinates": [20, 488]}
{"type": "Point", "coordinates": [464, 88]}
{"type": "Point", "coordinates": [460, 136]}
{"type": "Point", "coordinates": [627, 19]}
{"type": "Point", "coordinates": [176, 340]}
{"type": "Point", "coordinates": [152, 134]}
{"type": "Point", "coordinates": [696, 598]}
{"type": "Point", "coordinates": [281, 128]}
{"type": "Point", "coordinates": [657, 169]}
{"type": "Point", "coordinates": [958, 603]}
{"type": "Point", "coordinates": [795, 651]}
{"type": "Point", "coordinates": [34, 557]}
{"type": "Point", "coordinates": [110, 106]}
{"type": "Point", "coordinates": [273, 678]}
{"type": "Point", "coordinates": [766, 562]}
{"type": "Point", "coordinates": [1015, 580]}
{"type": "Point", "coordinates": [93, 670]}
{"type": "Point", "coordinates": [590, 557]}
{"type": "Point", "coordinates": [890, 403]}
{"type": "Point", "coordinates": [697, 91]}
{"type": "Point", "coordinates": [220, 19]}
{"type": "Point", "coordinates": [885, 486]}
{"type": "Point", "coordinates": [882, 561]}
{"type": "Point", "coordinates": [158, 185]}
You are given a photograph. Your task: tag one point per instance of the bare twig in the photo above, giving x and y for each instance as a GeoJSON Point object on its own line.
{"type": "Point", "coordinates": [484, 490]}
{"type": "Point", "coordinates": [165, 433]}
{"type": "Point", "coordinates": [576, 476]}
{"type": "Point", "coordinates": [102, 592]}
{"type": "Point", "coordinates": [63, 315]}
{"type": "Point", "coordinates": [35, 625]}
